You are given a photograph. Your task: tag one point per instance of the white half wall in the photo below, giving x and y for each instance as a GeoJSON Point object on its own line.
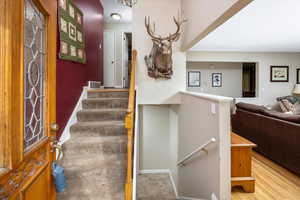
{"type": "Point", "coordinates": [153, 91]}
{"type": "Point", "coordinates": [267, 91]}
{"type": "Point", "coordinates": [201, 118]}
{"type": "Point", "coordinates": [232, 77]}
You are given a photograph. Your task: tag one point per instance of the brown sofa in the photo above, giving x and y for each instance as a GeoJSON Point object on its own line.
{"type": "Point", "coordinates": [276, 134]}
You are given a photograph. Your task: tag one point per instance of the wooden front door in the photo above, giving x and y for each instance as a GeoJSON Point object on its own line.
{"type": "Point", "coordinates": [27, 98]}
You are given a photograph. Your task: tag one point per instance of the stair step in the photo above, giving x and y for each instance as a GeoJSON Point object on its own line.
{"type": "Point", "coordinates": [91, 146]}
{"type": "Point", "coordinates": [101, 115]}
{"type": "Point", "coordinates": [97, 170]}
{"type": "Point", "coordinates": [86, 189]}
{"type": "Point", "coordinates": [79, 161]}
{"type": "Point", "coordinates": [105, 128]}
{"type": "Point", "coordinates": [99, 103]}
{"type": "Point", "coordinates": [108, 94]}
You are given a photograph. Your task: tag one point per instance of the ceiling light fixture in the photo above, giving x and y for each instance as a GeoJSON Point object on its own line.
{"type": "Point", "coordinates": [128, 3]}
{"type": "Point", "coordinates": [116, 16]}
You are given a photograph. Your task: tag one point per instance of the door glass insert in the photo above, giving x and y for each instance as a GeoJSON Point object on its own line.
{"type": "Point", "coordinates": [34, 74]}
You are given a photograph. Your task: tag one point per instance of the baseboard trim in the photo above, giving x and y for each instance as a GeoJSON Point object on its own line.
{"type": "Point", "coordinates": [66, 135]}
{"type": "Point", "coordinates": [173, 184]}
{"type": "Point", "coordinates": [188, 198]}
{"type": "Point", "coordinates": [162, 171]}
{"type": "Point", "coordinates": [154, 171]}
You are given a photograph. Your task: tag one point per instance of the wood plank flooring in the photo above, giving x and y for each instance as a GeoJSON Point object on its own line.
{"type": "Point", "coordinates": [272, 182]}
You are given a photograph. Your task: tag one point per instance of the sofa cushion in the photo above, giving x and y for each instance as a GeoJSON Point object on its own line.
{"type": "Point", "coordinates": [291, 99]}
{"type": "Point", "coordinates": [296, 110]}
{"type": "Point", "coordinates": [251, 107]}
{"type": "Point", "coordinates": [283, 116]}
{"type": "Point", "coordinates": [276, 107]}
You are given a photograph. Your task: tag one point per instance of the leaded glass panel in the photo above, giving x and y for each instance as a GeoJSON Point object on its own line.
{"type": "Point", "coordinates": [34, 74]}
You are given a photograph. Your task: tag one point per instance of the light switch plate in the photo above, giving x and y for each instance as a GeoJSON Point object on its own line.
{"type": "Point", "coordinates": [213, 108]}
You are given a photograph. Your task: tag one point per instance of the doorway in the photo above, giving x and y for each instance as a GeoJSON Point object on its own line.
{"type": "Point", "coordinates": [249, 79]}
{"type": "Point", "coordinates": [126, 64]}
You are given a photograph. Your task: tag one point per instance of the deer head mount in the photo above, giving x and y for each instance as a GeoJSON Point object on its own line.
{"type": "Point", "coordinates": [159, 62]}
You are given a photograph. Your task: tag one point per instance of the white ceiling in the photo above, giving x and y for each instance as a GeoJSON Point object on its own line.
{"type": "Point", "coordinates": [263, 26]}
{"type": "Point", "coordinates": [113, 6]}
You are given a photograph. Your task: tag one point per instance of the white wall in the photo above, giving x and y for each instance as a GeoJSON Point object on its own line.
{"type": "Point", "coordinates": [202, 117]}
{"type": "Point", "coordinates": [204, 16]}
{"type": "Point", "coordinates": [232, 76]}
{"type": "Point", "coordinates": [154, 137]}
{"type": "Point", "coordinates": [119, 29]}
{"type": "Point", "coordinates": [267, 91]}
{"type": "Point", "coordinates": [157, 91]}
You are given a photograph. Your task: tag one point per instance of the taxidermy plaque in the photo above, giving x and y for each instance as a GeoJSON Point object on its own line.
{"type": "Point", "coordinates": [159, 61]}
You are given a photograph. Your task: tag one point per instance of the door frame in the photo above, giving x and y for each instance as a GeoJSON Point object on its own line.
{"type": "Point", "coordinates": [23, 168]}
{"type": "Point", "coordinates": [123, 67]}
{"type": "Point", "coordinates": [105, 48]}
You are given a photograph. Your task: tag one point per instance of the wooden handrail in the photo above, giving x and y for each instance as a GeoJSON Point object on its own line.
{"type": "Point", "coordinates": [129, 124]}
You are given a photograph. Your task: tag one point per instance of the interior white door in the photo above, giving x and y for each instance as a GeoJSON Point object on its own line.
{"type": "Point", "coordinates": [109, 59]}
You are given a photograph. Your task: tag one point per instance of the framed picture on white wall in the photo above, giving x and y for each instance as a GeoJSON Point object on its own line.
{"type": "Point", "coordinates": [194, 79]}
{"type": "Point", "coordinates": [279, 73]}
{"type": "Point", "coordinates": [217, 80]}
{"type": "Point", "coordinates": [298, 76]}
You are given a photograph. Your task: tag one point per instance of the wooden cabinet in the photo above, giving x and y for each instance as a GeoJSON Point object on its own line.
{"type": "Point", "coordinates": [241, 163]}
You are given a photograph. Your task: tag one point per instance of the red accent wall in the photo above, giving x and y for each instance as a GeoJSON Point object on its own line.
{"type": "Point", "coordinates": [72, 76]}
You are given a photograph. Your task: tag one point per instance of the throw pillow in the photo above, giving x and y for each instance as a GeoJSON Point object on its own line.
{"type": "Point", "coordinates": [286, 106]}
{"type": "Point", "coordinates": [291, 99]}
{"type": "Point", "coordinates": [282, 106]}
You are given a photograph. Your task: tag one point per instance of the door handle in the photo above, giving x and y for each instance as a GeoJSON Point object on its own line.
{"type": "Point", "coordinates": [112, 62]}
{"type": "Point", "coordinates": [54, 127]}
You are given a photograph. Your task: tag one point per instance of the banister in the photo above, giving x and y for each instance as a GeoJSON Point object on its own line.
{"type": "Point", "coordinates": [129, 124]}
{"type": "Point", "coordinates": [201, 148]}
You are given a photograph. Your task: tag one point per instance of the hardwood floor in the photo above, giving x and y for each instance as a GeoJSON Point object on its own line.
{"type": "Point", "coordinates": [272, 182]}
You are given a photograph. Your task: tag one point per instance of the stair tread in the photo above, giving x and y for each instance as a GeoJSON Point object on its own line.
{"type": "Point", "coordinates": [100, 123]}
{"type": "Point", "coordinates": [105, 99]}
{"type": "Point", "coordinates": [95, 139]}
{"type": "Point", "coordinates": [103, 110]}
{"type": "Point", "coordinates": [101, 157]}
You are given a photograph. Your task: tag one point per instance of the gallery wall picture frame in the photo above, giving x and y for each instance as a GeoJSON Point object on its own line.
{"type": "Point", "coordinates": [71, 32]}
{"type": "Point", "coordinates": [298, 76]}
{"type": "Point", "coordinates": [216, 79]}
{"type": "Point", "coordinates": [194, 79]}
{"type": "Point", "coordinates": [279, 74]}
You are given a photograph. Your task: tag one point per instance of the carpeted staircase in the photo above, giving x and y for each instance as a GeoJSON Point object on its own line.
{"type": "Point", "coordinates": [95, 156]}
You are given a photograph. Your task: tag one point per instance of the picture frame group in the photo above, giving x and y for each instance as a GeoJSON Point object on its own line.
{"type": "Point", "coordinates": [194, 79]}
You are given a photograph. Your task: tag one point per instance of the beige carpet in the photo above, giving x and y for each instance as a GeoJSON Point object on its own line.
{"type": "Point", "coordinates": [155, 187]}
{"type": "Point", "coordinates": [95, 156]}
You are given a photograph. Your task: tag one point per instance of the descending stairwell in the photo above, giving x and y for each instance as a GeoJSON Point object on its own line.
{"type": "Point", "coordinates": [95, 156]}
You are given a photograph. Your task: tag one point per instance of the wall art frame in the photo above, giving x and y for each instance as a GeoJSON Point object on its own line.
{"type": "Point", "coordinates": [279, 73]}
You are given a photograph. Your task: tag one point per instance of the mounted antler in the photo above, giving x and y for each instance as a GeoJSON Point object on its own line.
{"type": "Point", "coordinates": [159, 61]}
{"type": "Point", "coordinates": [172, 37]}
